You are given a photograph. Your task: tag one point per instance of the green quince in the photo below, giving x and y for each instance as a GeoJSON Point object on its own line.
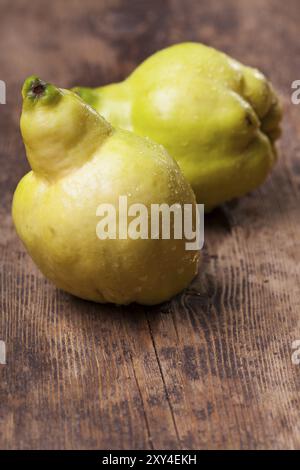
{"type": "Point", "coordinates": [218, 118]}
{"type": "Point", "coordinates": [78, 162]}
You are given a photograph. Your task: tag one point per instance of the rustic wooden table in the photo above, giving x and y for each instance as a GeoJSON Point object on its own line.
{"type": "Point", "coordinates": [210, 369]}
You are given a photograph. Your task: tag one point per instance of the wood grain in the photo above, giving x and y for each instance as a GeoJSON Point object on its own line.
{"type": "Point", "coordinates": [210, 369]}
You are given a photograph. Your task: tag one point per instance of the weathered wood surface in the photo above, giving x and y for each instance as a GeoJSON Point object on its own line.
{"type": "Point", "coordinates": [212, 368]}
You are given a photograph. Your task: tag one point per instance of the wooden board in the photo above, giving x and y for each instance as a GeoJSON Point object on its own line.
{"type": "Point", "coordinates": [210, 369]}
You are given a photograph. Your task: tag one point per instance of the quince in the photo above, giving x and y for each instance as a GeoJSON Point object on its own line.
{"type": "Point", "coordinates": [78, 162]}
{"type": "Point", "coordinates": [218, 118]}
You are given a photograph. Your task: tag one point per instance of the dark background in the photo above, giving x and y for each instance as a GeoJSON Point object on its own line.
{"type": "Point", "coordinates": [210, 369]}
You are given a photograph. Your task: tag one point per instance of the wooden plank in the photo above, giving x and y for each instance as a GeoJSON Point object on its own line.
{"type": "Point", "coordinates": [210, 369]}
